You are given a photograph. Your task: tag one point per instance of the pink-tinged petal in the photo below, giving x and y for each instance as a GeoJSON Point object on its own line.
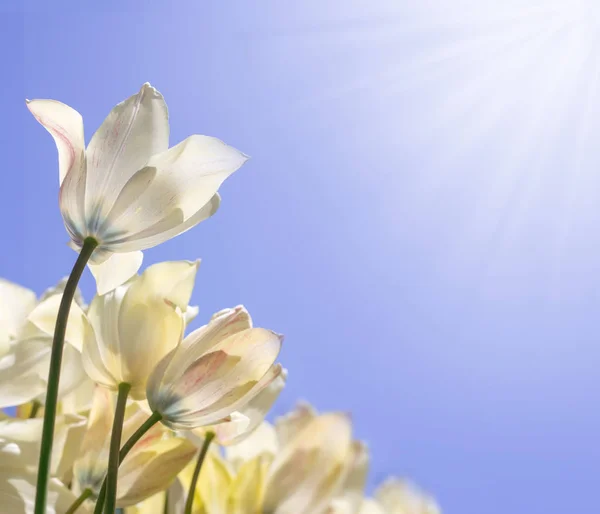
{"type": "Point", "coordinates": [222, 381]}
{"type": "Point", "coordinates": [199, 342]}
{"type": "Point", "coordinates": [135, 129]}
{"type": "Point", "coordinates": [66, 127]}
{"type": "Point", "coordinates": [255, 409]}
{"type": "Point", "coordinates": [116, 270]}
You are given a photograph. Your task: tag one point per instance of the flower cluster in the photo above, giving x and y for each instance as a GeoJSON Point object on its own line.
{"type": "Point", "coordinates": [115, 404]}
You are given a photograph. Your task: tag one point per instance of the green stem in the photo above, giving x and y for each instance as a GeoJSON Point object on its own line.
{"type": "Point", "coordinates": [54, 374]}
{"type": "Point", "coordinates": [166, 505]}
{"type": "Point", "coordinates": [115, 445]}
{"type": "Point", "coordinates": [77, 503]}
{"type": "Point", "coordinates": [137, 435]}
{"type": "Point", "coordinates": [190, 498]}
{"type": "Point", "coordinates": [35, 407]}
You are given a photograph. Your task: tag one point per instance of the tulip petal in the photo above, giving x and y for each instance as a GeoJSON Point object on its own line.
{"type": "Point", "coordinates": [262, 442]}
{"type": "Point", "coordinates": [222, 325]}
{"type": "Point", "coordinates": [44, 317]}
{"type": "Point", "coordinates": [20, 379]}
{"type": "Point", "coordinates": [17, 490]}
{"type": "Point", "coordinates": [116, 270]}
{"type": "Point", "coordinates": [255, 410]}
{"type": "Point", "coordinates": [135, 129]}
{"type": "Point", "coordinates": [145, 473]}
{"type": "Point", "coordinates": [65, 125]}
{"type": "Point", "coordinates": [399, 496]}
{"type": "Point", "coordinates": [16, 302]}
{"type": "Point", "coordinates": [172, 281]}
{"type": "Point", "coordinates": [309, 471]}
{"type": "Point", "coordinates": [184, 183]}
{"type": "Point", "coordinates": [291, 424]}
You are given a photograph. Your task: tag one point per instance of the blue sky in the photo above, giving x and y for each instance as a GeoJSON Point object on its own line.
{"type": "Point", "coordinates": [419, 217]}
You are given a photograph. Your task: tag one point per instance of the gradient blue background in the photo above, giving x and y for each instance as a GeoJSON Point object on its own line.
{"type": "Point", "coordinates": [419, 217]}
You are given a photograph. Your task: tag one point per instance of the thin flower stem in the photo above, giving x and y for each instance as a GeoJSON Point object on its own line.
{"type": "Point", "coordinates": [79, 501]}
{"type": "Point", "coordinates": [115, 445]}
{"type": "Point", "coordinates": [137, 435]}
{"type": "Point", "coordinates": [166, 505]}
{"type": "Point", "coordinates": [190, 498]}
{"type": "Point", "coordinates": [35, 407]}
{"type": "Point", "coordinates": [58, 342]}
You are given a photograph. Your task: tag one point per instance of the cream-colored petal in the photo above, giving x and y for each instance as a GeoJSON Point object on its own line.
{"type": "Point", "coordinates": [219, 382]}
{"type": "Point", "coordinates": [20, 380]}
{"type": "Point", "coordinates": [144, 473]}
{"type": "Point", "coordinates": [254, 411]}
{"type": "Point", "coordinates": [27, 433]}
{"type": "Point", "coordinates": [46, 312]}
{"type": "Point", "coordinates": [262, 442]}
{"type": "Point", "coordinates": [17, 490]}
{"type": "Point", "coordinates": [292, 423]}
{"type": "Point", "coordinates": [370, 506]}
{"type": "Point", "coordinates": [309, 471]}
{"type": "Point", "coordinates": [401, 497]}
{"type": "Point", "coordinates": [147, 333]}
{"type": "Point", "coordinates": [247, 490]}
{"type": "Point", "coordinates": [172, 281]}
{"type": "Point", "coordinates": [221, 326]}
{"type": "Point", "coordinates": [177, 186]}
{"type": "Point", "coordinates": [135, 129]}
{"type": "Point", "coordinates": [116, 270]}
{"type": "Point", "coordinates": [350, 499]}
{"type": "Point", "coordinates": [65, 125]}
{"type": "Point", "coordinates": [16, 302]}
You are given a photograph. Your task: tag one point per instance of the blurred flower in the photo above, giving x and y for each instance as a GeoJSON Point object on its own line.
{"type": "Point", "coordinates": [19, 448]}
{"type": "Point", "coordinates": [151, 465]}
{"type": "Point", "coordinates": [25, 361]}
{"type": "Point", "coordinates": [137, 324]}
{"type": "Point", "coordinates": [215, 372]}
{"type": "Point", "coordinates": [128, 190]}
{"type": "Point", "coordinates": [396, 496]}
{"type": "Point", "coordinates": [312, 464]}
{"type": "Point", "coordinates": [26, 433]}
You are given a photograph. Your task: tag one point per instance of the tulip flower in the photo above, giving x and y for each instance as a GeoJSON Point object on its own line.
{"type": "Point", "coordinates": [26, 359]}
{"type": "Point", "coordinates": [311, 466]}
{"type": "Point", "coordinates": [128, 190]}
{"type": "Point", "coordinates": [135, 325]}
{"type": "Point", "coordinates": [150, 467]}
{"type": "Point", "coordinates": [216, 371]}
{"type": "Point", "coordinates": [19, 447]}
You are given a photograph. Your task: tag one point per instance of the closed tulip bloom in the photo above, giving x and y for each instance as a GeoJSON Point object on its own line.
{"type": "Point", "coordinates": [215, 372]}
{"type": "Point", "coordinates": [311, 466]}
{"type": "Point", "coordinates": [135, 325]}
{"type": "Point", "coordinates": [151, 465]}
{"type": "Point", "coordinates": [128, 190]}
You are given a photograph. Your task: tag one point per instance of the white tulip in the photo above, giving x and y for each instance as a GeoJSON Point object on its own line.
{"type": "Point", "coordinates": [215, 372]}
{"type": "Point", "coordinates": [128, 190]}
{"type": "Point", "coordinates": [135, 325]}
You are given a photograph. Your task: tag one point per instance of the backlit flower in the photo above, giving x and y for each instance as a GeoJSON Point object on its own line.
{"type": "Point", "coordinates": [128, 190]}
{"type": "Point", "coordinates": [215, 372]}
{"type": "Point", "coordinates": [135, 325]}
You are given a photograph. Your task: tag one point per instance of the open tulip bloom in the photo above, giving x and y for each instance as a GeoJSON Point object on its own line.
{"type": "Point", "coordinates": [128, 190]}
{"type": "Point", "coordinates": [137, 415]}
